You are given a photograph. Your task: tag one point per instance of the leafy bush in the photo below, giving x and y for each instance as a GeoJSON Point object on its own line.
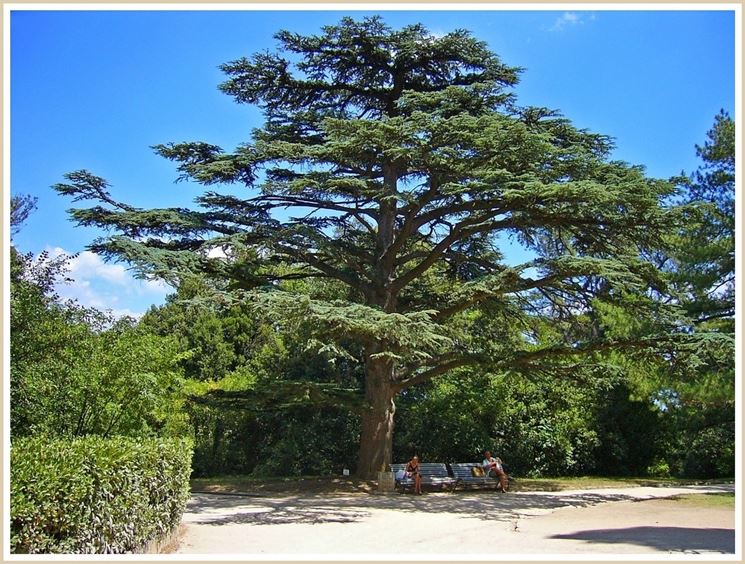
{"type": "Point", "coordinates": [660, 469]}
{"type": "Point", "coordinates": [711, 453]}
{"type": "Point", "coordinates": [96, 495]}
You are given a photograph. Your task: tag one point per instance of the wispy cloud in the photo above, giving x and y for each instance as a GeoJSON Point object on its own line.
{"type": "Point", "coordinates": [107, 287]}
{"type": "Point", "coordinates": [89, 265]}
{"type": "Point", "coordinates": [570, 19]}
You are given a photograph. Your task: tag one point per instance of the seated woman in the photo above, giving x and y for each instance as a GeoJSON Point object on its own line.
{"type": "Point", "coordinates": [412, 469]}
{"type": "Point", "coordinates": [493, 467]}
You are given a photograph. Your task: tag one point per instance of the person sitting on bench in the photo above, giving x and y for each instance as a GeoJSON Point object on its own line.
{"type": "Point", "coordinates": [493, 467]}
{"type": "Point", "coordinates": [412, 470]}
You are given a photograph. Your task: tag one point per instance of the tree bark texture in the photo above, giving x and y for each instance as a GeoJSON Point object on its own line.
{"type": "Point", "coordinates": [376, 440]}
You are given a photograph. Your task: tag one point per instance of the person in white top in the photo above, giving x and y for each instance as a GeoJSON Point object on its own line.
{"type": "Point", "coordinates": [493, 467]}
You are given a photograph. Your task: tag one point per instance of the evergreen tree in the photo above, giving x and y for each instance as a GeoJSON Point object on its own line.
{"type": "Point", "coordinates": [397, 164]}
{"type": "Point", "coordinates": [706, 255]}
{"type": "Point", "coordinates": [702, 408]}
{"type": "Point", "coordinates": [21, 207]}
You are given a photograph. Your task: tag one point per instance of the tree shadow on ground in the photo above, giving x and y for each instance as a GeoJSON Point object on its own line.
{"type": "Point", "coordinates": [276, 514]}
{"type": "Point", "coordinates": [677, 539]}
{"type": "Point", "coordinates": [210, 509]}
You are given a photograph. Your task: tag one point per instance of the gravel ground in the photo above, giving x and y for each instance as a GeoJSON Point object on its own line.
{"type": "Point", "coordinates": [620, 521]}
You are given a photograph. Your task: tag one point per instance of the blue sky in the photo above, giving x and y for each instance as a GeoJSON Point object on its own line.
{"type": "Point", "coordinates": [96, 89]}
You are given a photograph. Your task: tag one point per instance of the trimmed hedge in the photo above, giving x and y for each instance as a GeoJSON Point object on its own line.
{"type": "Point", "coordinates": [96, 495]}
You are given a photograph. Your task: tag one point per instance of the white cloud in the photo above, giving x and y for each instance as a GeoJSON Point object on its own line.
{"type": "Point", "coordinates": [156, 286]}
{"type": "Point", "coordinates": [567, 19]}
{"type": "Point", "coordinates": [87, 265]}
{"type": "Point", "coordinates": [126, 312]}
{"type": "Point", "coordinates": [107, 287]}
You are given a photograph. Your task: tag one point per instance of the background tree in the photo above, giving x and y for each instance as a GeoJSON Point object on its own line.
{"type": "Point", "coordinates": [702, 266]}
{"type": "Point", "coordinates": [397, 165]}
{"type": "Point", "coordinates": [76, 371]}
{"type": "Point", "coordinates": [261, 430]}
{"type": "Point", "coordinates": [20, 207]}
{"type": "Point", "coordinates": [705, 258]}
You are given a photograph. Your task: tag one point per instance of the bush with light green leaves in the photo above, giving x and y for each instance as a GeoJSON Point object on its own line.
{"type": "Point", "coordinates": [94, 495]}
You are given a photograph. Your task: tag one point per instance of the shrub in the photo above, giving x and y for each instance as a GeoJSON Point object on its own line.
{"type": "Point", "coordinates": [711, 453]}
{"type": "Point", "coordinates": [659, 469]}
{"type": "Point", "coordinates": [96, 495]}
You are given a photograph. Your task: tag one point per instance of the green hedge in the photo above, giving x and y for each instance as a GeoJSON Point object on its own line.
{"type": "Point", "coordinates": [96, 495]}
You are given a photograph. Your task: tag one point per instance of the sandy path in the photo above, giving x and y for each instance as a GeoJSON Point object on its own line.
{"type": "Point", "coordinates": [634, 520]}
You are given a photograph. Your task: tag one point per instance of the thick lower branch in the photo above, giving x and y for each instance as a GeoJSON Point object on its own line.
{"type": "Point", "coordinates": [442, 368]}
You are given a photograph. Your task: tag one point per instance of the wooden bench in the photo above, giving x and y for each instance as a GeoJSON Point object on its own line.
{"type": "Point", "coordinates": [433, 474]}
{"type": "Point", "coordinates": [464, 475]}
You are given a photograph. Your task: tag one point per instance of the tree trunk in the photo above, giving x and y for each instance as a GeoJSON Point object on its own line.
{"type": "Point", "coordinates": [376, 440]}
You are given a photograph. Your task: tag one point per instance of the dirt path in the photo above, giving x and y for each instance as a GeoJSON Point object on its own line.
{"type": "Point", "coordinates": [636, 520]}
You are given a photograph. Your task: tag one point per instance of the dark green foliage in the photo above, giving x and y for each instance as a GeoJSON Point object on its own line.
{"type": "Point", "coordinates": [699, 439]}
{"type": "Point", "coordinates": [44, 338]}
{"type": "Point", "coordinates": [711, 452]}
{"type": "Point", "coordinates": [630, 433]}
{"type": "Point", "coordinates": [415, 159]}
{"type": "Point", "coordinates": [308, 442]}
{"type": "Point", "coordinates": [94, 495]}
{"type": "Point", "coordinates": [545, 427]}
{"type": "Point", "coordinates": [360, 65]}
{"type": "Point", "coordinates": [226, 442]}
{"type": "Point", "coordinates": [282, 442]}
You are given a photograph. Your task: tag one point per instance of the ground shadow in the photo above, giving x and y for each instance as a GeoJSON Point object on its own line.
{"type": "Point", "coordinates": [217, 509]}
{"type": "Point", "coordinates": [211, 509]}
{"type": "Point", "coordinates": [677, 539]}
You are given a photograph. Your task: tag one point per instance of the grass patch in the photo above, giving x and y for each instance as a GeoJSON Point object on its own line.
{"type": "Point", "coordinates": [707, 501]}
{"type": "Point", "coordinates": [598, 482]}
